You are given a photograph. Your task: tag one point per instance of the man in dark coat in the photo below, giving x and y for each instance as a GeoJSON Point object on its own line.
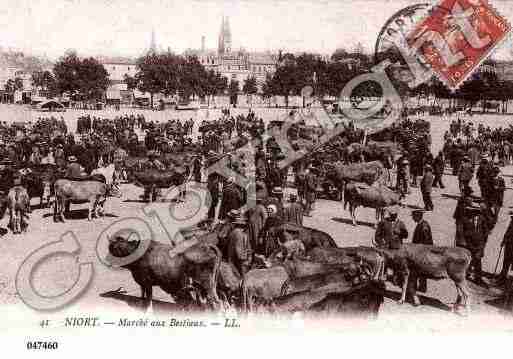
{"type": "Point", "coordinates": [257, 216]}
{"type": "Point", "coordinates": [391, 232]}
{"type": "Point", "coordinates": [196, 169]}
{"type": "Point", "coordinates": [213, 189]}
{"type": "Point", "coordinates": [310, 190]}
{"type": "Point", "coordinates": [438, 170]}
{"type": "Point", "coordinates": [239, 249]}
{"type": "Point", "coordinates": [421, 235]}
{"type": "Point", "coordinates": [232, 198]}
{"type": "Point", "coordinates": [426, 186]}
{"type": "Point", "coordinates": [464, 223]}
{"type": "Point", "coordinates": [497, 188]}
{"type": "Point", "coordinates": [483, 224]}
{"type": "Point", "coordinates": [465, 173]}
{"type": "Point", "coordinates": [293, 211]}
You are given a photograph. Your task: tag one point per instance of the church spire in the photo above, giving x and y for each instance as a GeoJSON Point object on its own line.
{"type": "Point", "coordinates": [225, 36]}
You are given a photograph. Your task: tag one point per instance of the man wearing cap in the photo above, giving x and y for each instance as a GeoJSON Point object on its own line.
{"type": "Point", "coordinates": [276, 198]}
{"type": "Point", "coordinates": [438, 170]}
{"type": "Point", "coordinates": [483, 173]}
{"type": "Point", "coordinates": [402, 175]}
{"type": "Point", "coordinates": [391, 231]}
{"type": "Point", "coordinates": [196, 168]}
{"type": "Point", "coordinates": [421, 235]}
{"type": "Point", "coordinates": [426, 186]}
{"type": "Point", "coordinates": [497, 188]}
{"type": "Point", "coordinates": [293, 212]}
{"type": "Point", "coordinates": [257, 216]}
{"type": "Point", "coordinates": [310, 190]}
{"type": "Point", "coordinates": [239, 250]}
{"type": "Point", "coordinates": [232, 198]}
{"type": "Point", "coordinates": [476, 242]}
{"type": "Point", "coordinates": [465, 173]}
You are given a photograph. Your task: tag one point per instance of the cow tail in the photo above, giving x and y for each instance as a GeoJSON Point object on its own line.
{"type": "Point", "coordinates": [244, 294]}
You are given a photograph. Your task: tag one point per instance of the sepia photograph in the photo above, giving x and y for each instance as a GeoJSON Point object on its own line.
{"type": "Point", "coordinates": [226, 167]}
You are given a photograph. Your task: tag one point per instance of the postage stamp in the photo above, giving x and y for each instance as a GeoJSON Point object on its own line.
{"type": "Point", "coordinates": [457, 36]}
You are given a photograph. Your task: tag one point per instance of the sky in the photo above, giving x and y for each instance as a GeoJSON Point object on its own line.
{"type": "Point", "coordinates": [123, 27]}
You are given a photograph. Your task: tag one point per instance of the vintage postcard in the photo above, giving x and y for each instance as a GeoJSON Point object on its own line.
{"type": "Point", "coordinates": [186, 172]}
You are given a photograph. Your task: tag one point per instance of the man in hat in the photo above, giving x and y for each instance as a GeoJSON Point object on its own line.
{"type": "Point", "coordinates": [426, 186]}
{"type": "Point", "coordinates": [438, 170]}
{"type": "Point", "coordinates": [257, 216]}
{"type": "Point", "coordinates": [293, 211]}
{"type": "Point", "coordinates": [483, 173]}
{"type": "Point", "coordinates": [213, 189]}
{"type": "Point", "coordinates": [402, 175]}
{"type": "Point", "coordinates": [196, 168]}
{"type": "Point", "coordinates": [232, 198]}
{"type": "Point", "coordinates": [421, 235]}
{"type": "Point", "coordinates": [465, 173]}
{"type": "Point", "coordinates": [60, 157]}
{"type": "Point", "coordinates": [310, 189]}
{"type": "Point", "coordinates": [507, 243]}
{"type": "Point", "coordinates": [74, 169]}
{"type": "Point", "coordinates": [391, 231]}
{"type": "Point", "coordinates": [464, 223]}
{"type": "Point", "coordinates": [497, 188]}
{"type": "Point", "coordinates": [239, 251]}
{"type": "Point", "coordinates": [476, 242]}
{"type": "Point", "coordinates": [276, 198]}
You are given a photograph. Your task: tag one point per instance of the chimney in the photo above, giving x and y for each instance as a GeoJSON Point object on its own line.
{"type": "Point", "coordinates": [203, 44]}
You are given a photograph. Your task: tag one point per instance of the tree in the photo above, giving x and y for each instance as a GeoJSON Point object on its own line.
{"type": "Point", "coordinates": [131, 82]}
{"type": "Point", "coordinates": [86, 78]}
{"type": "Point", "coordinates": [233, 90]}
{"type": "Point", "coordinates": [149, 76]}
{"type": "Point", "coordinates": [250, 86]}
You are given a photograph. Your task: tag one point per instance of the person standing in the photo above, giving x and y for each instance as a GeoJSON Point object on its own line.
{"type": "Point", "coordinates": [465, 173]}
{"type": "Point", "coordinates": [402, 175]}
{"type": "Point", "coordinates": [213, 189]}
{"type": "Point", "coordinates": [196, 169]}
{"type": "Point", "coordinates": [438, 170]}
{"type": "Point", "coordinates": [257, 216]}
{"type": "Point", "coordinates": [310, 190]}
{"type": "Point", "coordinates": [232, 198]}
{"type": "Point", "coordinates": [421, 235]}
{"type": "Point", "coordinates": [293, 212]}
{"type": "Point", "coordinates": [483, 224]}
{"type": "Point", "coordinates": [497, 188]}
{"type": "Point", "coordinates": [426, 186]}
{"type": "Point", "coordinates": [391, 232]}
{"type": "Point", "coordinates": [239, 249]}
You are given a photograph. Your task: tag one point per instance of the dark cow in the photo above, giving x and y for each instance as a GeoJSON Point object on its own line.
{"type": "Point", "coordinates": [164, 266]}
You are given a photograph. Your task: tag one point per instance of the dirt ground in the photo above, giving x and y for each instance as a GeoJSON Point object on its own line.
{"type": "Point", "coordinates": [60, 272]}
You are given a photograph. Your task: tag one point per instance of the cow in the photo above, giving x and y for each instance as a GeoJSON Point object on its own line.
{"type": "Point", "coordinates": [266, 284]}
{"type": "Point", "coordinates": [153, 179]}
{"type": "Point", "coordinates": [169, 269]}
{"type": "Point", "coordinates": [18, 202]}
{"type": "Point", "coordinates": [68, 191]}
{"type": "Point", "coordinates": [432, 262]}
{"type": "Point", "coordinates": [376, 196]}
{"type": "Point", "coordinates": [367, 172]}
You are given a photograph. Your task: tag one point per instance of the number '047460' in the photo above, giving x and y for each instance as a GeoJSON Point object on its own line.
{"type": "Point", "coordinates": [38, 345]}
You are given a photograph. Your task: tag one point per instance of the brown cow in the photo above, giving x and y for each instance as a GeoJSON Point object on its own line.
{"type": "Point", "coordinates": [434, 263]}
{"type": "Point", "coordinates": [169, 269]}
{"type": "Point", "coordinates": [68, 191]}
{"type": "Point", "coordinates": [376, 196]}
{"type": "Point", "coordinates": [18, 202]}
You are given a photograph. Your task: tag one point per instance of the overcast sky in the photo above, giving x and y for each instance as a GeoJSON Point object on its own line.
{"type": "Point", "coordinates": [123, 27]}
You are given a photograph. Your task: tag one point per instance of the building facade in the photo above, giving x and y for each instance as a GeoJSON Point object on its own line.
{"type": "Point", "coordinates": [235, 64]}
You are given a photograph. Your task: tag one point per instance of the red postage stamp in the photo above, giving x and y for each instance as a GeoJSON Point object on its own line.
{"type": "Point", "coordinates": [457, 36]}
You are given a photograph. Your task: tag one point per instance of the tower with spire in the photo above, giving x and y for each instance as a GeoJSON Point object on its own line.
{"type": "Point", "coordinates": [225, 37]}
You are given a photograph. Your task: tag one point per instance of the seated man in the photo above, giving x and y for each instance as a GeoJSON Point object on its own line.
{"type": "Point", "coordinates": [74, 170]}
